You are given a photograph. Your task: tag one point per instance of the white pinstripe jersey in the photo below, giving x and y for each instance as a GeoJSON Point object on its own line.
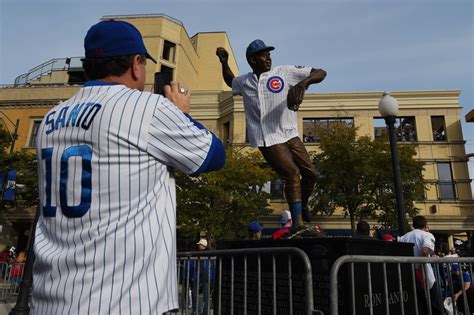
{"type": "Point", "coordinates": [106, 238]}
{"type": "Point", "coordinates": [269, 121]}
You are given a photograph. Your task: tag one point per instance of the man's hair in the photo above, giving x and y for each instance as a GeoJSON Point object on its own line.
{"type": "Point", "coordinates": [99, 68]}
{"type": "Point", "coordinates": [419, 222]}
{"type": "Point", "coordinates": [363, 228]}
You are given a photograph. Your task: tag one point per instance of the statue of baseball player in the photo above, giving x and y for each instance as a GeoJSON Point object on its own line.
{"type": "Point", "coordinates": [271, 98]}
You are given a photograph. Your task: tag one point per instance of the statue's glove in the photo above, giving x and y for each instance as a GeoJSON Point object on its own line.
{"type": "Point", "coordinates": [295, 96]}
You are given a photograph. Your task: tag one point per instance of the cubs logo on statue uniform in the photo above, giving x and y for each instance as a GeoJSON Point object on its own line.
{"type": "Point", "coordinates": [275, 84]}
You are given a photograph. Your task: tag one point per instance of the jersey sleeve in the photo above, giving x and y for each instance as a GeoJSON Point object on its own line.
{"type": "Point", "coordinates": [177, 140]}
{"type": "Point", "coordinates": [237, 86]}
{"type": "Point", "coordinates": [429, 241]}
{"type": "Point", "coordinates": [294, 74]}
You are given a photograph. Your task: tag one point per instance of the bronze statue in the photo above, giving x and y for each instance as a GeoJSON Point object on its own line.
{"type": "Point", "coordinates": [271, 98]}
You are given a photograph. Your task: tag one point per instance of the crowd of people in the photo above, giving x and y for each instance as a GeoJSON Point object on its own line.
{"type": "Point", "coordinates": [12, 265]}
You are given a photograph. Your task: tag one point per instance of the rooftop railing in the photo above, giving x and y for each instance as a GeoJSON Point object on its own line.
{"type": "Point", "coordinates": [47, 67]}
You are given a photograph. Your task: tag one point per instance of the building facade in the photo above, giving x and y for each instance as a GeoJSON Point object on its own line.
{"type": "Point", "coordinates": [430, 119]}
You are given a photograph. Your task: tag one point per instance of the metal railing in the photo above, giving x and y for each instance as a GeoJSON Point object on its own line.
{"type": "Point", "coordinates": [10, 277]}
{"type": "Point", "coordinates": [409, 276]}
{"type": "Point", "coordinates": [242, 281]}
{"type": "Point", "coordinates": [46, 68]}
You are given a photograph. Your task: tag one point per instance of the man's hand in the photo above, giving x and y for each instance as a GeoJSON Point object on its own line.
{"type": "Point", "coordinates": [295, 96]}
{"type": "Point", "coordinates": [178, 96]}
{"type": "Point", "coordinates": [222, 54]}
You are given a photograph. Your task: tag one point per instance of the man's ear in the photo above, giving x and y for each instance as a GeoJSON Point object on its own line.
{"type": "Point", "coordinates": [135, 67]}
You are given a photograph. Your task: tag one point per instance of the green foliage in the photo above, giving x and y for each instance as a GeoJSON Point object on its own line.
{"type": "Point", "coordinates": [27, 172]}
{"type": "Point", "coordinates": [222, 203]}
{"type": "Point", "coordinates": [355, 174]}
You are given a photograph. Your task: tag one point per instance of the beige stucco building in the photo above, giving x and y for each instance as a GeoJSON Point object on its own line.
{"type": "Point", "coordinates": [431, 119]}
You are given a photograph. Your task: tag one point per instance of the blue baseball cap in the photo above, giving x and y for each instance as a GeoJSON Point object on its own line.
{"type": "Point", "coordinates": [254, 227]}
{"type": "Point", "coordinates": [257, 46]}
{"type": "Point", "coordinates": [113, 38]}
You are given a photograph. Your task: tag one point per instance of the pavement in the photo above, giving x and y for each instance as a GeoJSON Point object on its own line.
{"type": "Point", "coordinates": [5, 308]}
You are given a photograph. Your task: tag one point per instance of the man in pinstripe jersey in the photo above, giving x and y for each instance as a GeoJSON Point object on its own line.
{"type": "Point", "coordinates": [106, 236]}
{"type": "Point", "coordinates": [271, 98]}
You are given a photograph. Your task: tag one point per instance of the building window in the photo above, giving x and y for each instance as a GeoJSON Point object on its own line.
{"type": "Point", "coordinates": [313, 126]}
{"type": "Point", "coordinates": [405, 128]}
{"type": "Point", "coordinates": [169, 50]}
{"type": "Point", "coordinates": [277, 189]}
{"type": "Point", "coordinates": [446, 183]}
{"type": "Point", "coordinates": [34, 132]}
{"type": "Point", "coordinates": [380, 128]}
{"type": "Point", "coordinates": [439, 128]}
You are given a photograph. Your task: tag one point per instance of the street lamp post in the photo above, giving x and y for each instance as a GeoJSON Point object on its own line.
{"type": "Point", "coordinates": [388, 108]}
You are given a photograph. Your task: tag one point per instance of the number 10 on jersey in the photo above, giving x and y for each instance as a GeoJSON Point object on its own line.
{"type": "Point", "coordinates": [76, 211]}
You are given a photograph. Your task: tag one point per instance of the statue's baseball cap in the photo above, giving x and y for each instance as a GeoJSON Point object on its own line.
{"type": "Point", "coordinates": [113, 38]}
{"type": "Point", "coordinates": [257, 46]}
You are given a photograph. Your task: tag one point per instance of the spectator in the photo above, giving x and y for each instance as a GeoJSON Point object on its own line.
{"type": "Point", "coordinates": [202, 274]}
{"type": "Point", "coordinates": [110, 154]}
{"type": "Point", "coordinates": [286, 223]}
{"type": "Point", "coordinates": [452, 253]}
{"type": "Point", "coordinates": [254, 230]}
{"type": "Point", "coordinates": [363, 230]}
{"type": "Point", "coordinates": [4, 260]}
{"type": "Point", "coordinates": [457, 273]}
{"type": "Point", "coordinates": [12, 255]}
{"type": "Point", "coordinates": [389, 237]}
{"type": "Point", "coordinates": [424, 243]}
{"type": "Point", "coordinates": [16, 271]}
{"type": "Point", "coordinates": [309, 138]}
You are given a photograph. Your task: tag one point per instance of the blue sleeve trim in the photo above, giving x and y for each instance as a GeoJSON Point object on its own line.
{"type": "Point", "coordinates": [215, 158]}
{"type": "Point", "coordinates": [195, 122]}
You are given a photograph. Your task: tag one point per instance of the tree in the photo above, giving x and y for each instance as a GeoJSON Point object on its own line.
{"type": "Point", "coordinates": [27, 172]}
{"type": "Point", "coordinates": [383, 182]}
{"type": "Point", "coordinates": [355, 174]}
{"type": "Point", "coordinates": [222, 203]}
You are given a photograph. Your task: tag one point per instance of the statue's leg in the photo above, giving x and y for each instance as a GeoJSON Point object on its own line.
{"type": "Point", "coordinates": [308, 174]}
{"type": "Point", "coordinates": [280, 159]}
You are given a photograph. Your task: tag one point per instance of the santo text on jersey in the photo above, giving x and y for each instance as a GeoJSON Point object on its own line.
{"type": "Point", "coordinates": [78, 115]}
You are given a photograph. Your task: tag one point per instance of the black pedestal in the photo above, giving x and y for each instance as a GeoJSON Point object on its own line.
{"type": "Point", "coordinates": [322, 253]}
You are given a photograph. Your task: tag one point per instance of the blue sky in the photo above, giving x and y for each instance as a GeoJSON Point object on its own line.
{"type": "Point", "coordinates": [364, 45]}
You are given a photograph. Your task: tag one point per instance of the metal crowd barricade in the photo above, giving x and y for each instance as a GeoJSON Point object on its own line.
{"type": "Point", "coordinates": [444, 270]}
{"type": "Point", "coordinates": [10, 278]}
{"type": "Point", "coordinates": [4, 277]}
{"type": "Point", "coordinates": [201, 291]}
